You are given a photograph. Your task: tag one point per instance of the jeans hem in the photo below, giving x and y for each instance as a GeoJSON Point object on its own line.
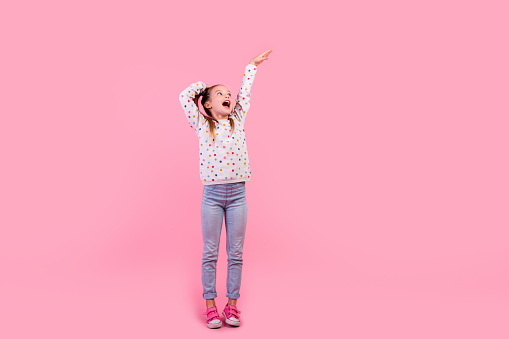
{"type": "Point", "coordinates": [209, 295]}
{"type": "Point", "coordinates": [233, 296]}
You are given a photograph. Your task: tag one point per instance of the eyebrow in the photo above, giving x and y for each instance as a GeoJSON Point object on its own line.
{"type": "Point", "coordinates": [221, 90]}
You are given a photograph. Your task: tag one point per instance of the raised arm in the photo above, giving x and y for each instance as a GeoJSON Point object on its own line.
{"type": "Point", "coordinates": [244, 96]}
{"type": "Point", "coordinates": [192, 112]}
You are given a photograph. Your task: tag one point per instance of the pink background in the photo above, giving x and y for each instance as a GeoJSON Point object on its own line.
{"type": "Point", "coordinates": [378, 141]}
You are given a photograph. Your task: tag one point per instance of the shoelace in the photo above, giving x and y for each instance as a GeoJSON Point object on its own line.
{"type": "Point", "coordinates": [233, 311]}
{"type": "Point", "coordinates": [214, 316]}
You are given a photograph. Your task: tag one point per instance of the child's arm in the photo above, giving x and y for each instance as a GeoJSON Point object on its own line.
{"type": "Point", "coordinates": [192, 111]}
{"type": "Point", "coordinates": [244, 96]}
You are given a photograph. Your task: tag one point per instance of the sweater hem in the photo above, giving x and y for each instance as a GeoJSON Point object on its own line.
{"type": "Point", "coordinates": [224, 181]}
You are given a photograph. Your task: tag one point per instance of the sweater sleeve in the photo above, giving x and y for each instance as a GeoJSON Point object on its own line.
{"type": "Point", "coordinates": [244, 96]}
{"type": "Point", "coordinates": [191, 111]}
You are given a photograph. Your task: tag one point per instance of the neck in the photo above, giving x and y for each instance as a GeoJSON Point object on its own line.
{"type": "Point", "coordinates": [219, 116]}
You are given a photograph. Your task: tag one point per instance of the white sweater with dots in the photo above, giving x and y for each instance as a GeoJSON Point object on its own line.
{"type": "Point", "coordinates": [224, 159]}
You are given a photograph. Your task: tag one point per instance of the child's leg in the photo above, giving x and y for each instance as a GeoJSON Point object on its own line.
{"type": "Point", "coordinates": [212, 213]}
{"type": "Point", "coordinates": [235, 221]}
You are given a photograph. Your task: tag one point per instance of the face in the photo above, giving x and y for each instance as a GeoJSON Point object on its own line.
{"type": "Point", "coordinates": [220, 100]}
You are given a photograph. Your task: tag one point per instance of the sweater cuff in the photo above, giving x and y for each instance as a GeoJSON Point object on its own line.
{"type": "Point", "coordinates": [251, 67]}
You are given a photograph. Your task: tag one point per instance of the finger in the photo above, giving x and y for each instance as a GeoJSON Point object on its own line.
{"type": "Point", "coordinates": [263, 54]}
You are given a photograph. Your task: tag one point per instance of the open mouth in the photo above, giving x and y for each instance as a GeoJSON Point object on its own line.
{"type": "Point", "coordinates": [226, 103]}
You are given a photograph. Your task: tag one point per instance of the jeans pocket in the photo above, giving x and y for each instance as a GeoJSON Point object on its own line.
{"type": "Point", "coordinates": [210, 188]}
{"type": "Point", "coordinates": [241, 187]}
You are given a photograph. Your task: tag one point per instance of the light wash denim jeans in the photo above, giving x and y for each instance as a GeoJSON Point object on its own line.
{"type": "Point", "coordinates": [228, 200]}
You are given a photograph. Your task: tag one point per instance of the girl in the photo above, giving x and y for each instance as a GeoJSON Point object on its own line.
{"type": "Point", "coordinates": [224, 170]}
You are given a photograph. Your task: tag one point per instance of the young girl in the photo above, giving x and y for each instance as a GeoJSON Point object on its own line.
{"type": "Point", "coordinates": [224, 170]}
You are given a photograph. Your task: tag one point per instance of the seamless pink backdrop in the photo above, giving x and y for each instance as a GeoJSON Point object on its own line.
{"type": "Point", "coordinates": [377, 134]}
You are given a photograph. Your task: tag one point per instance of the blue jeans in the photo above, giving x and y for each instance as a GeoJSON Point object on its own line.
{"type": "Point", "coordinates": [228, 200]}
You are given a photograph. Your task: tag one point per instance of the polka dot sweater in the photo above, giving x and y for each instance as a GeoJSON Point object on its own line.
{"type": "Point", "coordinates": [223, 159]}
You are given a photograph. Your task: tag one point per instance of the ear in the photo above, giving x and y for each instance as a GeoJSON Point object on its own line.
{"type": "Point", "coordinates": [207, 105]}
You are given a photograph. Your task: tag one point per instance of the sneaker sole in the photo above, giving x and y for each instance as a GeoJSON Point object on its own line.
{"type": "Point", "coordinates": [215, 325]}
{"type": "Point", "coordinates": [229, 322]}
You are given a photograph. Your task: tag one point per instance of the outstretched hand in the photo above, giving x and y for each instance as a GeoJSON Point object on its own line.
{"type": "Point", "coordinates": [260, 58]}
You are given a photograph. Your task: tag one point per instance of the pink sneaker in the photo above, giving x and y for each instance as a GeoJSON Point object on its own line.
{"type": "Point", "coordinates": [231, 315]}
{"type": "Point", "coordinates": [213, 320]}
